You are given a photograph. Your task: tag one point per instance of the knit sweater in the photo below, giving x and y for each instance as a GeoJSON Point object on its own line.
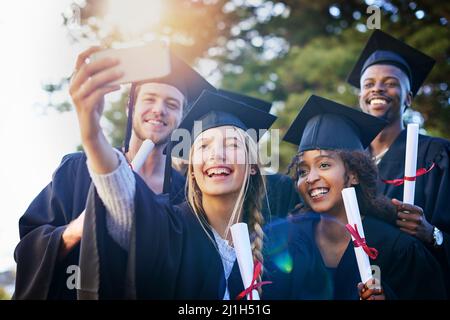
{"type": "Point", "coordinates": [117, 189]}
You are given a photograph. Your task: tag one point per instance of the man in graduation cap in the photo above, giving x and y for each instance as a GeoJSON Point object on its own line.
{"type": "Point", "coordinates": [52, 227]}
{"type": "Point", "coordinates": [389, 74]}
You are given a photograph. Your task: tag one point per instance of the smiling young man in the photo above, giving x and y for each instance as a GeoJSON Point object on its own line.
{"type": "Point", "coordinates": [52, 227]}
{"type": "Point", "coordinates": [389, 74]}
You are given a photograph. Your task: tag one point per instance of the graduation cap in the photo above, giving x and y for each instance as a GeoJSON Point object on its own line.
{"type": "Point", "coordinates": [251, 101]}
{"type": "Point", "coordinates": [188, 81]}
{"type": "Point", "coordinates": [382, 48]}
{"type": "Point", "coordinates": [215, 110]}
{"type": "Point", "coordinates": [325, 124]}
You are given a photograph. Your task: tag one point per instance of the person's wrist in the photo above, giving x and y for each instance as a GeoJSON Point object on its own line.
{"type": "Point", "coordinates": [90, 133]}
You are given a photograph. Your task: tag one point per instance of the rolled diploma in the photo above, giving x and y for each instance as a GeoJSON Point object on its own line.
{"type": "Point", "coordinates": [410, 162]}
{"type": "Point", "coordinates": [354, 217]}
{"type": "Point", "coordinates": [241, 241]}
{"type": "Point", "coordinates": [145, 149]}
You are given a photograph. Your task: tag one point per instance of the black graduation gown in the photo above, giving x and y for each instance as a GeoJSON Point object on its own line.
{"type": "Point", "coordinates": [432, 191]}
{"type": "Point", "coordinates": [282, 197]}
{"type": "Point", "coordinates": [170, 255]}
{"type": "Point", "coordinates": [39, 273]}
{"type": "Point", "coordinates": [408, 270]}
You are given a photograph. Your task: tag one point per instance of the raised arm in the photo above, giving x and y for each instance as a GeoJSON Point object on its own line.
{"type": "Point", "coordinates": [109, 171]}
{"type": "Point", "coordinates": [90, 83]}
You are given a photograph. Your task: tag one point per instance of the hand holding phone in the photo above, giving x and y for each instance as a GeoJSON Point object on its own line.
{"type": "Point", "coordinates": [146, 62]}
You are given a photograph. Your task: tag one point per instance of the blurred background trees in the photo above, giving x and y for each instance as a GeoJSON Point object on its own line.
{"type": "Point", "coordinates": [7, 279]}
{"type": "Point", "coordinates": [4, 295]}
{"type": "Point", "coordinates": [281, 51]}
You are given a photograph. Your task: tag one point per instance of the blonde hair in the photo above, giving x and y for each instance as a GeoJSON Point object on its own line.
{"type": "Point", "coordinates": [248, 204]}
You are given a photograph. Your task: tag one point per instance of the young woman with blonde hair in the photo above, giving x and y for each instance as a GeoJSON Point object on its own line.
{"type": "Point", "coordinates": [145, 247]}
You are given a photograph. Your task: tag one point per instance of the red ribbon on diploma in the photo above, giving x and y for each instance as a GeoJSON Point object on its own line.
{"type": "Point", "coordinates": [253, 285]}
{"type": "Point", "coordinates": [419, 172]}
{"type": "Point", "coordinates": [361, 242]}
{"type": "Point", "coordinates": [129, 163]}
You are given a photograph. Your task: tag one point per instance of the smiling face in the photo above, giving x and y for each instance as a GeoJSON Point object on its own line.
{"type": "Point", "coordinates": [158, 111]}
{"type": "Point", "coordinates": [321, 178]}
{"type": "Point", "coordinates": [223, 167]}
{"type": "Point", "coordinates": [219, 161]}
{"type": "Point", "coordinates": [384, 92]}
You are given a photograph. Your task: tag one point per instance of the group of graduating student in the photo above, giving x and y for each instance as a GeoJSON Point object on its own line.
{"type": "Point", "coordinates": [154, 233]}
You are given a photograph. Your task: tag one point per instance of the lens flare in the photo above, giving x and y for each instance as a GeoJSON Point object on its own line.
{"type": "Point", "coordinates": [283, 261]}
{"type": "Point", "coordinates": [134, 16]}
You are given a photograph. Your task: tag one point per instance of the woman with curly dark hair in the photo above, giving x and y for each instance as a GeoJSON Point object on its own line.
{"type": "Point", "coordinates": [331, 157]}
{"type": "Point", "coordinates": [369, 200]}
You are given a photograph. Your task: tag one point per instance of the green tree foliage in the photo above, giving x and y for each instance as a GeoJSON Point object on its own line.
{"type": "Point", "coordinates": [284, 51]}
{"type": "Point", "coordinates": [4, 295]}
{"type": "Point", "coordinates": [324, 40]}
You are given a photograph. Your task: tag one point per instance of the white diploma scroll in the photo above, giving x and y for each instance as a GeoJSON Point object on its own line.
{"type": "Point", "coordinates": [241, 241]}
{"type": "Point", "coordinates": [354, 218]}
{"type": "Point", "coordinates": [145, 149]}
{"type": "Point", "coordinates": [412, 138]}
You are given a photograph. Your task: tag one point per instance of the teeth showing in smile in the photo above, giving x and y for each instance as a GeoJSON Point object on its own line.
{"type": "Point", "coordinates": [318, 192]}
{"type": "Point", "coordinates": [218, 171]}
{"type": "Point", "coordinates": [156, 122]}
{"type": "Point", "coordinates": [378, 101]}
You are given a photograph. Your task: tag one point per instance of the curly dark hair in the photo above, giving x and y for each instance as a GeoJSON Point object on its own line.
{"type": "Point", "coordinates": [370, 201]}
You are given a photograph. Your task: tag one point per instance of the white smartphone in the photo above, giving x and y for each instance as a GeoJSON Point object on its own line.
{"type": "Point", "coordinates": [146, 62]}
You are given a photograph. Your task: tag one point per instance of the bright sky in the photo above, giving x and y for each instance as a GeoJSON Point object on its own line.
{"type": "Point", "coordinates": [35, 49]}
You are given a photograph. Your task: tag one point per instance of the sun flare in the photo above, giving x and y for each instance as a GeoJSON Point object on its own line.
{"type": "Point", "coordinates": [134, 16]}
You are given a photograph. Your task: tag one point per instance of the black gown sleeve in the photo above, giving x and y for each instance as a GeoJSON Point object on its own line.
{"type": "Point", "coordinates": [153, 256]}
{"type": "Point", "coordinates": [432, 189]}
{"type": "Point", "coordinates": [436, 204]}
{"type": "Point", "coordinates": [437, 185]}
{"type": "Point", "coordinates": [412, 271]}
{"type": "Point", "coordinates": [171, 255]}
{"type": "Point", "coordinates": [40, 275]}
